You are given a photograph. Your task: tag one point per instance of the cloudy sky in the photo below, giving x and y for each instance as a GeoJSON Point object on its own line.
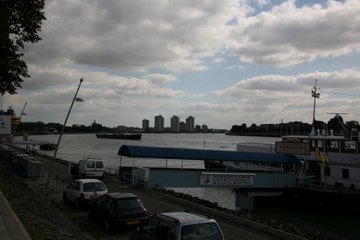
{"type": "Point", "coordinates": [224, 62]}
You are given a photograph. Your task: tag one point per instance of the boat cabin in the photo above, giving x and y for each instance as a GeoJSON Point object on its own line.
{"type": "Point", "coordinates": [333, 160]}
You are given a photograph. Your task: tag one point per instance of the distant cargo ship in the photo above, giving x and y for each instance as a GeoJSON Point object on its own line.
{"type": "Point", "coordinates": [136, 136]}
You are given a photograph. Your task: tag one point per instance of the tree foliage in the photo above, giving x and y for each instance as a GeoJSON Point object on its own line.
{"type": "Point", "coordinates": [20, 22]}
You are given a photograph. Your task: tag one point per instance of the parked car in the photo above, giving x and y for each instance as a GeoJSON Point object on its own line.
{"type": "Point", "coordinates": [178, 226]}
{"type": "Point", "coordinates": [88, 168]}
{"type": "Point", "coordinates": [118, 209]}
{"type": "Point", "coordinates": [82, 191]}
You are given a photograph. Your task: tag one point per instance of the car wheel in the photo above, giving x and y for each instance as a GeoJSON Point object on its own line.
{"type": "Point", "coordinates": [91, 215]}
{"type": "Point", "coordinates": [107, 226]}
{"type": "Point", "coordinates": [65, 200]}
{"type": "Point", "coordinates": [77, 204]}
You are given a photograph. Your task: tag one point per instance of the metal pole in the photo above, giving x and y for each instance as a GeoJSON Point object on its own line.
{"type": "Point", "coordinates": [315, 88]}
{"type": "Point", "coordinates": [60, 136]}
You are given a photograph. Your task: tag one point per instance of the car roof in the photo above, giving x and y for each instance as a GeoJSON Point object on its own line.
{"type": "Point", "coordinates": [118, 195]}
{"type": "Point", "coordinates": [186, 217]}
{"type": "Point", "coordinates": [87, 180]}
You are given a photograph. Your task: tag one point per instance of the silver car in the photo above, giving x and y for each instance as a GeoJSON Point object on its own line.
{"type": "Point", "coordinates": [178, 226]}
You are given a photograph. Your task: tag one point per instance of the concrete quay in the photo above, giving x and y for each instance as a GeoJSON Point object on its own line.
{"type": "Point", "coordinates": [232, 226]}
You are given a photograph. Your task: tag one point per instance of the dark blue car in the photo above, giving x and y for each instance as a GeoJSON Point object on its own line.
{"type": "Point", "coordinates": [114, 210]}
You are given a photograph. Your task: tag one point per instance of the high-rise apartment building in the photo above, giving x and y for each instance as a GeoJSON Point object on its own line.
{"type": "Point", "coordinates": [190, 123]}
{"type": "Point", "coordinates": [204, 128]}
{"type": "Point", "coordinates": [182, 127]}
{"type": "Point", "coordinates": [175, 124]}
{"type": "Point", "coordinates": [159, 123]}
{"type": "Point", "coordinates": [145, 125]}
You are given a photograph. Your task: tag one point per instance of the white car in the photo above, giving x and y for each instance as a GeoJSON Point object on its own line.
{"type": "Point", "coordinates": [178, 226]}
{"type": "Point", "coordinates": [81, 191]}
{"type": "Point", "coordinates": [88, 168]}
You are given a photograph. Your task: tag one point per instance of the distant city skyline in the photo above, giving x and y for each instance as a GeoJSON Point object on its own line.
{"type": "Point", "coordinates": [174, 124]}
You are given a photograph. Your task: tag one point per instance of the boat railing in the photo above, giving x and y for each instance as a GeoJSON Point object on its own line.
{"type": "Point", "coordinates": [253, 167]}
{"type": "Point", "coordinates": [256, 147]}
{"type": "Point", "coordinates": [306, 180]}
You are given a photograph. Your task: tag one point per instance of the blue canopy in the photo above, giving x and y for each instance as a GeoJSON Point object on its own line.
{"type": "Point", "coordinates": [209, 155]}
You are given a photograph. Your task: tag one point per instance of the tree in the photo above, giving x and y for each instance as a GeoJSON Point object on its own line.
{"type": "Point", "coordinates": [253, 128]}
{"type": "Point", "coordinates": [20, 22]}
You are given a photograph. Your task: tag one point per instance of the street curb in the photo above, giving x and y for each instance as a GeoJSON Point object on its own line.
{"type": "Point", "coordinates": [13, 224]}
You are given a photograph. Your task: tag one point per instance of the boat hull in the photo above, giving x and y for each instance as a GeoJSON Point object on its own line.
{"type": "Point", "coordinates": [120, 136]}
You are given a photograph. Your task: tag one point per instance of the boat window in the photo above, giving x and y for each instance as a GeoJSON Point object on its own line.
{"type": "Point", "coordinates": [313, 143]}
{"type": "Point", "coordinates": [349, 146]}
{"type": "Point", "coordinates": [316, 144]}
{"type": "Point", "coordinates": [345, 173]}
{"type": "Point", "coordinates": [332, 146]}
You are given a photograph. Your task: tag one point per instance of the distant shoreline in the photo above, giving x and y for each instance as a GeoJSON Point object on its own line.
{"type": "Point", "coordinates": [255, 134]}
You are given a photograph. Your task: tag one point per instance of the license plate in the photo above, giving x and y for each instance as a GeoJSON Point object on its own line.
{"type": "Point", "coordinates": [133, 222]}
{"type": "Point", "coordinates": [94, 196]}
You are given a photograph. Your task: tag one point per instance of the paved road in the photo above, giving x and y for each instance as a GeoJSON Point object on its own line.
{"type": "Point", "coordinates": [154, 204]}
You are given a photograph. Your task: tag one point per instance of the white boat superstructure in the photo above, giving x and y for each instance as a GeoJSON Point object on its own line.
{"type": "Point", "coordinates": [334, 160]}
{"type": "Point", "coordinates": [328, 159]}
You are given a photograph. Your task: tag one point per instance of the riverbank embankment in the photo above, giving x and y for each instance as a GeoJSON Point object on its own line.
{"type": "Point", "coordinates": [156, 201]}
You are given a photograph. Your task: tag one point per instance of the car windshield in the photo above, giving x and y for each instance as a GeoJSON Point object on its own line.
{"type": "Point", "coordinates": [204, 231]}
{"type": "Point", "coordinates": [90, 164]}
{"type": "Point", "coordinates": [127, 204]}
{"type": "Point", "coordinates": [94, 187]}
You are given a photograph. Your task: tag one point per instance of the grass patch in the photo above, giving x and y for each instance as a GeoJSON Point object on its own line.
{"type": "Point", "coordinates": [15, 193]}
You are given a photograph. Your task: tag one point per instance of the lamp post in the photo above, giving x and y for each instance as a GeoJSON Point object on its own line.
{"type": "Point", "coordinates": [61, 133]}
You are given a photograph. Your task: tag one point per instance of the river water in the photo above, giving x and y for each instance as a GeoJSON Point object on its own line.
{"type": "Point", "coordinates": [74, 147]}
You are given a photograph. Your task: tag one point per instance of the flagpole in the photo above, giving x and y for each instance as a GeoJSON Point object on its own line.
{"type": "Point", "coordinates": [314, 94]}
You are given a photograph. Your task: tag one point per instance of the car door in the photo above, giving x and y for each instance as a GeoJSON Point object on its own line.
{"type": "Point", "coordinates": [90, 168]}
{"type": "Point", "coordinates": [72, 190]}
{"type": "Point", "coordinates": [99, 169]}
{"type": "Point", "coordinates": [102, 207]}
{"type": "Point", "coordinates": [154, 229]}
{"type": "Point", "coordinates": [164, 230]}
{"type": "Point", "coordinates": [146, 231]}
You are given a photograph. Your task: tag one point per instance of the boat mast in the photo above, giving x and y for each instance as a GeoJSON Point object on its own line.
{"type": "Point", "coordinates": [315, 95]}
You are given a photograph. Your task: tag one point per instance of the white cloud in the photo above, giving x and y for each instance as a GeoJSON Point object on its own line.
{"type": "Point", "coordinates": [261, 97]}
{"type": "Point", "coordinates": [139, 58]}
{"type": "Point", "coordinates": [133, 35]}
{"type": "Point", "coordinates": [160, 78]}
{"type": "Point", "coordinates": [288, 35]}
